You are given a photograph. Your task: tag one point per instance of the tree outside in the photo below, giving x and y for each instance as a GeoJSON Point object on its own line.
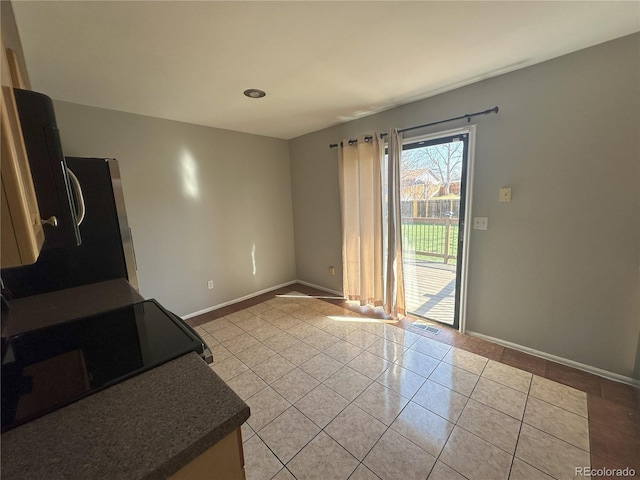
{"type": "Point", "coordinates": [436, 165]}
{"type": "Point", "coordinates": [430, 178]}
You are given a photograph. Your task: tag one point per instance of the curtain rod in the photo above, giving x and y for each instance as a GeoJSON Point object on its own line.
{"type": "Point", "coordinates": [468, 116]}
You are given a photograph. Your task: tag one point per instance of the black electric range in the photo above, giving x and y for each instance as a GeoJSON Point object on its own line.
{"type": "Point", "coordinates": [46, 369]}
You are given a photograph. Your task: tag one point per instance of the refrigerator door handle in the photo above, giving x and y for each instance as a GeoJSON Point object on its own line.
{"type": "Point", "coordinates": [78, 191]}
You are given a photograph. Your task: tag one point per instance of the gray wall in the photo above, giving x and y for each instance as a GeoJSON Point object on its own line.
{"type": "Point", "coordinates": [203, 203]}
{"type": "Point", "coordinates": [637, 369]}
{"type": "Point", "coordinates": [557, 271]}
{"type": "Point", "coordinates": [11, 37]}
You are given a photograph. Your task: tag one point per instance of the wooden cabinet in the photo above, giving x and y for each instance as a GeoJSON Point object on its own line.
{"type": "Point", "coordinates": [21, 229]}
{"type": "Point", "coordinates": [224, 460]}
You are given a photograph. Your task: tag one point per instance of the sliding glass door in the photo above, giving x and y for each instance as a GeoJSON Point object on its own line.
{"type": "Point", "coordinates": [433, 184]}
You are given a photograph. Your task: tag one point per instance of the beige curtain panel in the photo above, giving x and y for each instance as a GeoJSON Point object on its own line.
{"type": "Point", "coordinates": [361, 204]}
{"type": "Point", "coordinates": [392, 217]}
{"type": "Point", "coordinates": [371, 241]}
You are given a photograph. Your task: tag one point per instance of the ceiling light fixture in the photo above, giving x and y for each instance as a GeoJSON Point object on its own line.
{"type": "Point", "coordinates": [254, 93]}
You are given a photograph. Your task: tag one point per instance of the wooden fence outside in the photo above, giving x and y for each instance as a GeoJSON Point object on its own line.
{"type": "Point", "coordinates": [433, 208]}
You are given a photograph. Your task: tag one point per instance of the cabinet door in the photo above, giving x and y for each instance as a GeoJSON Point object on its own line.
{"type": "Point", "coordinates": [22, 233]}
{"type": "Point", "coordinates": [225, 460]}
{"type": "Point", "coordinates": [48, 168]}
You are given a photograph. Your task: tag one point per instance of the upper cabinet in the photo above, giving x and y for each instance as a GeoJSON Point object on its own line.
{"type": "Point", "coordinates": [21, 229]}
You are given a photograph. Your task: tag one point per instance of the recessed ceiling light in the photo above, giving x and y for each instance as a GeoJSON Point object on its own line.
{"type": "Point", "coordinates": [254, 93]}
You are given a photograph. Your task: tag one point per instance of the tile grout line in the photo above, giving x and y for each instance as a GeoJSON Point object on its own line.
{"type": "Point", "coordinates": [322, 430]}
{"type": "Point", "coordinates": [350, 403]}
{"type": "Point", "coordinates": [524, 410]}
{"type": "Point", "coordinates": [316, 293]}
{"type": "Point", "coordinates": [437, 458]}
{"type": "Point", "coordinates": [393, 362]}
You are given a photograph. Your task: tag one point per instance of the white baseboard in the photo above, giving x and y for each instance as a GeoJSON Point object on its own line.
{"type": "Point", "coordinates": [564, 361]}
{"type": "Point", "coordinates": [320, 287]}
{"type": "Point", "coordinates": [255, 294]}
{"type": "Point", "coordinates": [236, 300]}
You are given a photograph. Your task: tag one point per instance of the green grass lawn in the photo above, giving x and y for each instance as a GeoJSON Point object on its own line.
{"type": "Point", "coordinates": [429, 238]}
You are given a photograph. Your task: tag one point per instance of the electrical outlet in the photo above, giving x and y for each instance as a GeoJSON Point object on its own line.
{"type": "Point", "coordinates": [332, 270]}
{"type": "Point", "coordinates": [210, 284]}
{"type": "Point", "coordinates": [480, 223]}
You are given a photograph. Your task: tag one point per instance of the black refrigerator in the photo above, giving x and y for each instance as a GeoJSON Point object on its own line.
{"type": "Point", "coordinates": [106, 249]}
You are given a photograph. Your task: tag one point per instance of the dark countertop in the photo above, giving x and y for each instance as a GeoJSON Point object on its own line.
{"type": "Point", "coordinates": [147, 427]}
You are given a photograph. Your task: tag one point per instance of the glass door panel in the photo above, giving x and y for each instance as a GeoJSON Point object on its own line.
{"type": "Point", "coordinates": [433, 178]}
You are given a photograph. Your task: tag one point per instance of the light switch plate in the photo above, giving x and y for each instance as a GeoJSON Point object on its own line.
{"type": "Point", "coordinates": [505, 195]}
{"type": "Point", "coordinates": [480, 223]}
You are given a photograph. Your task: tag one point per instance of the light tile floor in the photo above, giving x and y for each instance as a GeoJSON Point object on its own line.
{"type": "Point", "coordinates": [335, 395]}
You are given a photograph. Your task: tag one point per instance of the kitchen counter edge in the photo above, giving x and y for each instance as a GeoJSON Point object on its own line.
{"type": "Point", "coordinates": [147, 427]}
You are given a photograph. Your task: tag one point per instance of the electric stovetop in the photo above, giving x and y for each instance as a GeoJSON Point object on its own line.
{"type": "Point", "coordinates": [49, 368]}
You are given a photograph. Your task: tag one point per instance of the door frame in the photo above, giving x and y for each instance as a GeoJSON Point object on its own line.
{"type": "Point", "coordinates": [470, 131]}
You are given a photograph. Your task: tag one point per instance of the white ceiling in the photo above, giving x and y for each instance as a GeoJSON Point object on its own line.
{"type": "Point", "coordinates": [321, 63]}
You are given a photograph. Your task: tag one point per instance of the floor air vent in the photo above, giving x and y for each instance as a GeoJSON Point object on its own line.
{"type": "Point", "coordinates": [426, 328]}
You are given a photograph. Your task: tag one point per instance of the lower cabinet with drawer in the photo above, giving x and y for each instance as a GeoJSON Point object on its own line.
{"type": "Point", "coordinates": [224, 460]}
